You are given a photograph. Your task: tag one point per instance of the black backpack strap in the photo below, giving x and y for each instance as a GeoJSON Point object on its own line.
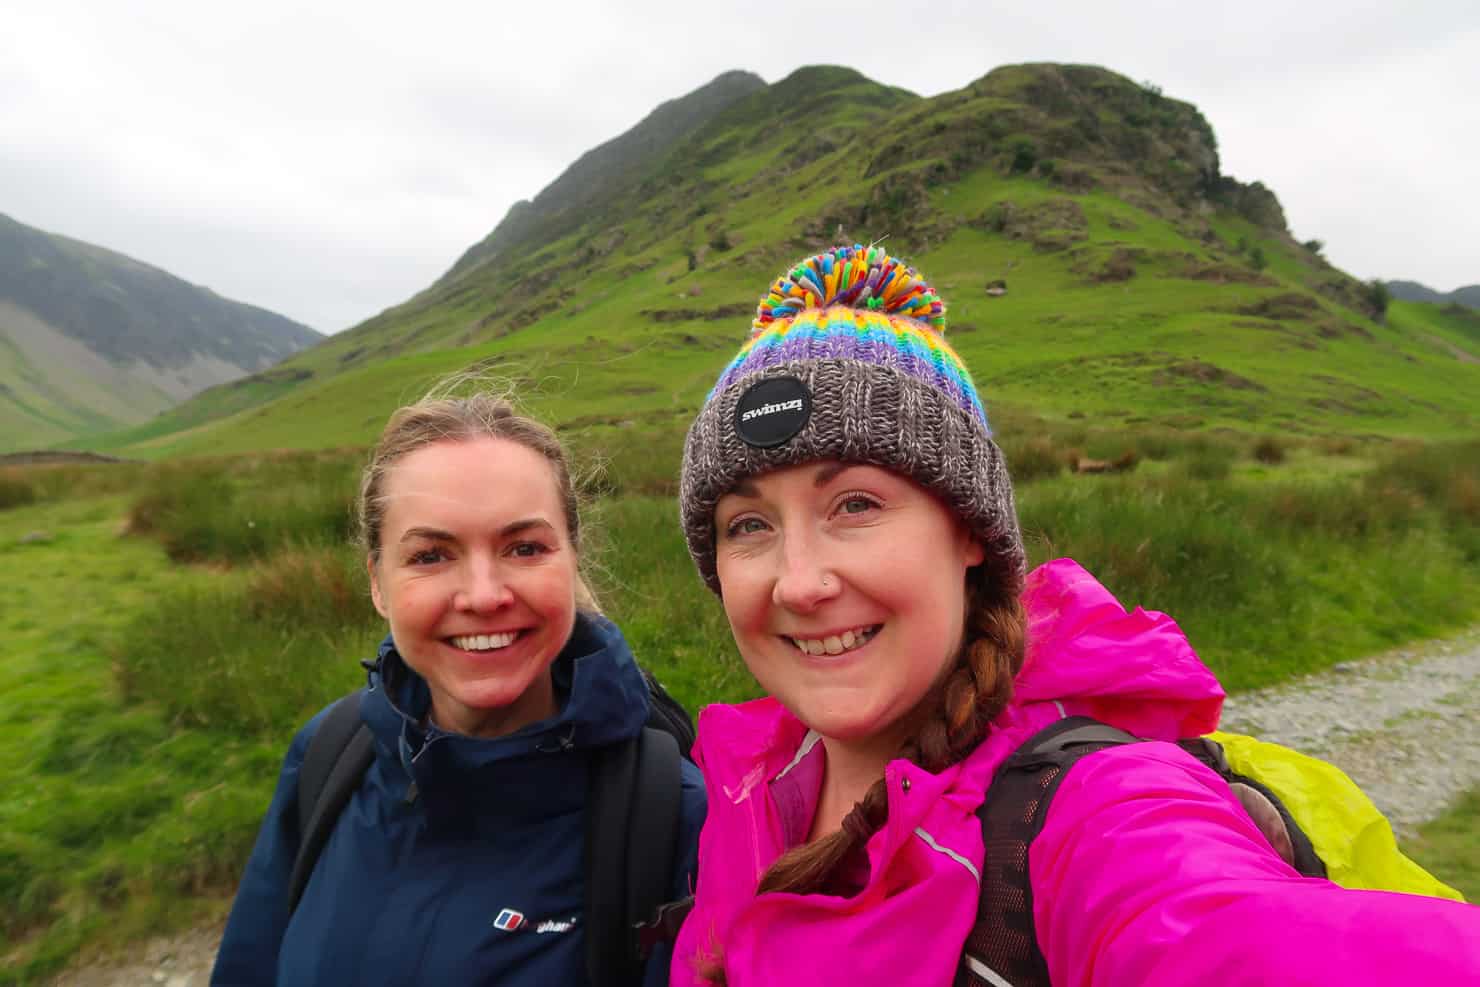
{"type": "Point", "coordinates": [337, 758]}
{"type": "Point", "coordinates": [632, 814]}
{"type": "Point", "coordinates": [1002, 947]}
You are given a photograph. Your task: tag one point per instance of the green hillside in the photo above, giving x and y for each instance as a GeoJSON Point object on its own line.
{"type": "Point", "coordinates": [91, 339]}
{"type": "Point", "coordinates": [1143, 286]}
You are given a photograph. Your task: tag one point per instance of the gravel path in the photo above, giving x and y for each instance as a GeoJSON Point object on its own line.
{"type": "Point", "coordinates": [1404, 725]}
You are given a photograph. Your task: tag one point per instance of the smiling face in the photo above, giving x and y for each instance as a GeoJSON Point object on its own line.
{"type": "Point", "coordinates": [845, 589]}
{"type": "Point", "coordinates": [477, 577]}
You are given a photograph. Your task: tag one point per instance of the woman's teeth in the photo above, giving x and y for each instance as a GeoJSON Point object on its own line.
{"type": "Point", "coordinates": [836, 644]}
{"type": "Point", "coordinates": [485, 642]}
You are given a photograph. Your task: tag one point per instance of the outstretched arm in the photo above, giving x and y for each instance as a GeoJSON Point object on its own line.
{"type": "Point", "coordinates": [1147, 871]}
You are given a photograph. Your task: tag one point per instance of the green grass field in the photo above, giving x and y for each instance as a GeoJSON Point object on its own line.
{"type": "Point", "coordinates": [116, 820]}
{"type": "Point", "coordinates": [178, 621]}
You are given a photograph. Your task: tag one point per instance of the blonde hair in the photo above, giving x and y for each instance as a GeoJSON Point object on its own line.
{"type": "Point", "coordinates": [442, 417]}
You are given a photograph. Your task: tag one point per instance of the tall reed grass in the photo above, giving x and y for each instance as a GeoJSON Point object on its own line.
{"type": "Point", "coordinates": [239, 511]}
{"type": "Point", "coordinates": [258, 650]}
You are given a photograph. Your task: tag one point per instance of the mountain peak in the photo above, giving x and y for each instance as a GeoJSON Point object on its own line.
{"type": "Point", "coordinates": [607, 168]}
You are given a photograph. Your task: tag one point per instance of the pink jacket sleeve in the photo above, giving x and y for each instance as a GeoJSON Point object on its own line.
{"type": "Point", "coordinates": [1148, 872]}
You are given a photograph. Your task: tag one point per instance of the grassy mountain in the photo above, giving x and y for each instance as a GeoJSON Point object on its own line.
{"type": "Point", "coordinates": [1143, 286]}
{"type": "Point", "coordinates": [91, 339]}
{"type": "Point", "coordinates": [1413, 291]}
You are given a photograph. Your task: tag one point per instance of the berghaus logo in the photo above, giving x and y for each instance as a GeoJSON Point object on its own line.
{"type": "Point", "coordinates": [509, 920]}
{"type": "Point", "coordinates": [795, 404]}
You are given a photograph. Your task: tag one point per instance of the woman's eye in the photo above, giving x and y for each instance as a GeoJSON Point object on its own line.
{"type": "Point", "coordinates": [857, 504]}
{"type": "Point", "coordinates": [744, 526]}
{"type": "Point", "coordinates": [427, 556]}
{"type": "Point", "coordinates": [528, 549]}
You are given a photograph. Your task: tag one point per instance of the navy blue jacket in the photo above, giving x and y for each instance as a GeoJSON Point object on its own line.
{"type": "Point", "coordinates": [411, 882]}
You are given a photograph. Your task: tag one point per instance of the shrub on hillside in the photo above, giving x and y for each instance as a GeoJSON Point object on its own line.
{"type": "Point", "coordinates": [15, 491]}
{"type": "Point", "coordinates": [1024, 155]}
{"type": "Point", "coordinates": [1206, 462]}
{"type": "Point", "coordinates": [1269, 450]}
{"type": "Point", "coordinates": [1444, 476]}
{"type": "Point", "coordinates": [1032, 458]}
{"type": "Point", "coordinates": [201, 513]}
{"type": "Point", "coordinates": [1378, 297]}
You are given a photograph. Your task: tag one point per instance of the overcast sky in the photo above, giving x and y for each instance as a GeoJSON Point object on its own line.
{"type": "Point", "coordinates": [327, 160]}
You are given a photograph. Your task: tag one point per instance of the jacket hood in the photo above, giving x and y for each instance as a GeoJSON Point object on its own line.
{"type": "Point", "coordinates": [1135, 669]}
{"type": "Point", "coordinates": [1125, 666]}
{"type": "Point", "coordinates": [600, 691]}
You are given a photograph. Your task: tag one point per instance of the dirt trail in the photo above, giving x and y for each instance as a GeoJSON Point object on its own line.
{"type": "Point", "coordinates": [1405, 725]}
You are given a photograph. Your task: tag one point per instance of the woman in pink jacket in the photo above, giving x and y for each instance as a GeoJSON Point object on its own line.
{"type": "Point", "coordinates": [842, 494]}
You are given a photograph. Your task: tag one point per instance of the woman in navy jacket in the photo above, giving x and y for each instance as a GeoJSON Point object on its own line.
{"type": "Point", "coordinates": [459, 859]}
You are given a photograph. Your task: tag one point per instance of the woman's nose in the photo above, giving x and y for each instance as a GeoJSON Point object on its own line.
{"type": "Point", "coordinates": [804, 582]}
{"type": "Point", "coordinates": [484, 588]}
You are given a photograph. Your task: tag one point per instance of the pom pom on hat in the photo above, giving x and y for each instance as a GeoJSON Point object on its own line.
{"type": "Point", "coordinates": [857, 277]}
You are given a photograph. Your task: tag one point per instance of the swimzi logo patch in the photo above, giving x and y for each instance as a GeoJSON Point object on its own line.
{"type": "Point", "coordinates": [795, 404]}
{"type": "Point", "coordinates": [772, 411]}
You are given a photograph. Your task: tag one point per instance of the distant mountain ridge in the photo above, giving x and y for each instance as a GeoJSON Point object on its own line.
{"type": "Point", "coordinates": [1414, 291]}
{"type": "Point", "coordinates": [1097, 262]}
{"type": "Point", "coordinates": [92, 339]}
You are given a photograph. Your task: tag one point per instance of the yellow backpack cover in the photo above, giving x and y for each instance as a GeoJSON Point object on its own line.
{"type": "Point", "coordinates": [1347, 831]}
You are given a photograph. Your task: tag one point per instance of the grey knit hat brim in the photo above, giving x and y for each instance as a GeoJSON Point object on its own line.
{"type": "Point", "coordinates": [860, 413]}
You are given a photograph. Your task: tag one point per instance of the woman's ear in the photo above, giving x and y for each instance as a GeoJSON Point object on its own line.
{"type": "Point", "coordinates": [975, 553]}
{"type": "Point", "coordinates": [375, 594]}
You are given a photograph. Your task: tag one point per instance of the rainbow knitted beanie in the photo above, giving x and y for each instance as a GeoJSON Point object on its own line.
{"type": "Point", "coordinates": [848, 360]}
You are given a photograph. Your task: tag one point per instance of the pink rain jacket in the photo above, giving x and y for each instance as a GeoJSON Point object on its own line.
{"type": "Point", "coordinates": [1147, 871]}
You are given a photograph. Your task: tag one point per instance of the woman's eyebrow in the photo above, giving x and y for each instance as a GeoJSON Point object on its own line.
{"type": "Point", "coordinates": [512, 528]}
{"type": "Point", "coordinates": [524, 524]}
{"type": "Point", "coordinates": [828, 473]}
{"type": "Point", "coordinates": [431, 534]}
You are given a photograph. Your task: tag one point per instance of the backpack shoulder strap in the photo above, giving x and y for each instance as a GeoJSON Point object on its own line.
{"type": "Point", "coordinates": [337, 758]}
{"type": "Point", "coordinates": [632, 812]}
{"type": "Point", "coordinates": [1002, 947]}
